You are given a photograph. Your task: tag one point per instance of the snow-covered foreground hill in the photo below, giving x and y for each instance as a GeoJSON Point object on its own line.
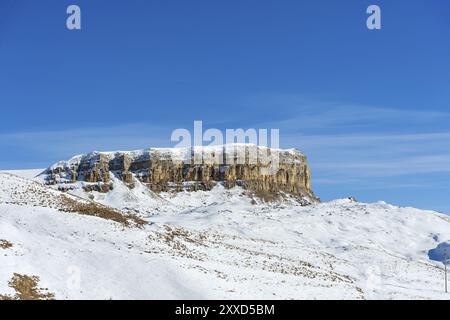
{"type": "Point", "coordinates": [214, 244]}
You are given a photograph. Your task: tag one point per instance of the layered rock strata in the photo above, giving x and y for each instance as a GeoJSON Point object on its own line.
{"type": "Point", "coordinates": [258, 169]}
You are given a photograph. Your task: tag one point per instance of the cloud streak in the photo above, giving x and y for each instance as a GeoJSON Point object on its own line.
{"type": "Point", "coordinates": [45, 147]}
{"type": "Point", "coordinates": [372, 147]}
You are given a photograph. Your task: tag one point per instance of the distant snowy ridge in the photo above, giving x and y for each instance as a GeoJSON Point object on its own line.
{"type": "Point", "coordinates": [27, 173]}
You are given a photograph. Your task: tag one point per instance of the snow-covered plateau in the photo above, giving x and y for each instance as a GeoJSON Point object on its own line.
{"type": "Point", "coordinates": [216, 244]}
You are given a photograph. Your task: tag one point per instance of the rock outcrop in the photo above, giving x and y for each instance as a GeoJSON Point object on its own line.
{"type": "Point", "coordinates": [257, 169]}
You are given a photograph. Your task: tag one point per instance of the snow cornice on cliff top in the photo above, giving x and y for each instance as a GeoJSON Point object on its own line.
{"type": "Point", "coordinates": [178, 153]}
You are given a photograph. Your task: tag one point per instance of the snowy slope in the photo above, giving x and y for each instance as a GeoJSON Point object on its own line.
{"type": "Point", "coordinates": [27, 174]}
{"type": "Point", "coordinates": [139, 199]}
{"type": "Point", "coordinates": [220, 244]}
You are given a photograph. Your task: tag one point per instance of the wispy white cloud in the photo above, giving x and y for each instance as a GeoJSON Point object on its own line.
{"type": "Point", "coordinates": [306, 115]}
{"type": "Point", "coordinates": [376, 154]}
{"type": "Point", "coordinates": [351, 143]}
{"type": "Point", "coordinates": [47, 146]}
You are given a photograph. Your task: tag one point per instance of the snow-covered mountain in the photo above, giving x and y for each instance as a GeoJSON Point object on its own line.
{"type": "Point", "coordinates": [134, 243]}
{"type": "Point", "coordinates": [260, 170]}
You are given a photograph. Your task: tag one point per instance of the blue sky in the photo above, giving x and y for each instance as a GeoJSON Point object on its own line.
{"type": "Point", "coordinates": [369, 108]}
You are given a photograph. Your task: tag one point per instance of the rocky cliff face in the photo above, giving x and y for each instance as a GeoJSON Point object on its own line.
{"type": "Point", "coordinates": [261, 170]}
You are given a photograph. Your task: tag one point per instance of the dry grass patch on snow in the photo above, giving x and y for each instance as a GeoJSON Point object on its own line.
{"type": "Point", "coordinates": [97, 210]}
{"type": "Point", "coordinates": [5, 244]}
{"type": "Point", "coordinates": [26, 288]}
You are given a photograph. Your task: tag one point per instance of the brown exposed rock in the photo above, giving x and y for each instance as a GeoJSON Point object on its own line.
{"type": "Point", "coordinates": [162, 170]}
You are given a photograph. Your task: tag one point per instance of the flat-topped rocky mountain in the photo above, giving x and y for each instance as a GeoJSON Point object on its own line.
{"type": "Point", "coordinates": [262, 170]}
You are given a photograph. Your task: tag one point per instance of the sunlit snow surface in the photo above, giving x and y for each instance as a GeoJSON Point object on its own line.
{"type": "Point", "coordinates": [218, 244]}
